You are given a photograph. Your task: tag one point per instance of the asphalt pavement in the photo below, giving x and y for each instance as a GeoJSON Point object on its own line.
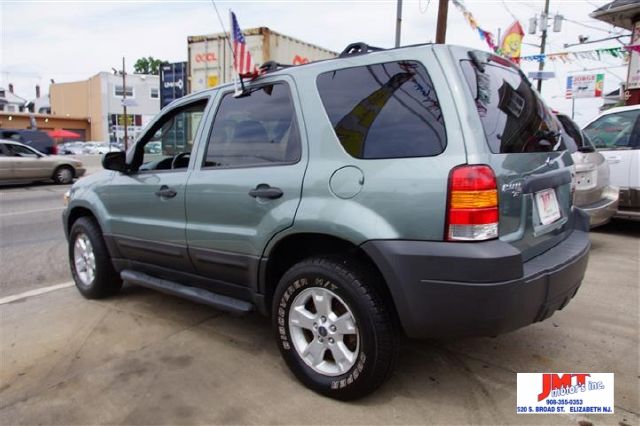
{"type": "Point", "coordinates": [33, 249]}
{"type": "Point", "coordinates": [146, 358]}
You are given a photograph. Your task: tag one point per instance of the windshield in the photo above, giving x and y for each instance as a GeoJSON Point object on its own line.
{"type": "Point", "coordinates": [514, 118]}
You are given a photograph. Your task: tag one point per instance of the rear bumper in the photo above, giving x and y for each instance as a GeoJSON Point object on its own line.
{"type": "Point", "coordinates": [443, 289]}
{"type": "Point", "coordinates": [629, 205]}
{"type": "Point", "coordinates": [602, 211]}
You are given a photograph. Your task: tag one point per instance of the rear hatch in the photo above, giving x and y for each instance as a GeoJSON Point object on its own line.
{"type": "Point", "coordinates": [527, 153]}
{"type": "Point", "coordinates": [591, 172]}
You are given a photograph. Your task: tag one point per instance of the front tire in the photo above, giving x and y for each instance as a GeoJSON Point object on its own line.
{"type": "Point", "coordinates": [333, 329]}
{"type": "Point", "coordinates": [63, 175]}
{"type": "Point", "coordinates": [90, 262]}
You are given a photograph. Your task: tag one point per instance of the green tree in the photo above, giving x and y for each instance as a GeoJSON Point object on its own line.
{"type": "Point", "coordinates": [148, 65]}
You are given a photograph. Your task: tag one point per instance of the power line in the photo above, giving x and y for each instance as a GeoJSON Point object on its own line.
{"type": "Point", "coordinates": [587, 25]}
{"type": "Point", "coordinates": [593, 4]}
{"type": "Point", "coordinates": [420, 6]}
{"type": "Point", "coordinates": [504, 3]}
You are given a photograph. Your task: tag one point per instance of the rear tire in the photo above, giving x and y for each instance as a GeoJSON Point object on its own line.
{"type": "Point", "coordinates": [63, 175]}
{"type": "Point", "coordinates": [333, 329]}
{"type": "Point", "coordinates": [90, 262]}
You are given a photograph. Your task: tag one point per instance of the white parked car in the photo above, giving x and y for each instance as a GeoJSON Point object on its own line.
{"type": "Point", "coordinates": [616, 134]}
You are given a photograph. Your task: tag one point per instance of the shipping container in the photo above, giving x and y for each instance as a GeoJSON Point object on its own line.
{"type": "Point", "coordinates": [173, 82]}
{"type": "Point", "coordinates": [211, 60]}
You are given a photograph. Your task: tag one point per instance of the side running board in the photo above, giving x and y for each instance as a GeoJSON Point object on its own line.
{"type": "Point", "coordinates": [198, 295]}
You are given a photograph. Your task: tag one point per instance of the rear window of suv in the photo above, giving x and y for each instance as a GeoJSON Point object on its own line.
{"type": "Point", "coordinates": [387, 110]}
{"type": "Point", "coordinates": [514, 118]}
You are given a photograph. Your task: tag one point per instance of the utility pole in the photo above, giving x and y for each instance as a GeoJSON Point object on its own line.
{"type": "Point", "coordinates": [124, 104]}
{"type": "Point", "coordinates": [398, 22]}
{"type": "Point", "coordinates": [441, 28]}
{"type": "Point", "coordinates": [543, 22]}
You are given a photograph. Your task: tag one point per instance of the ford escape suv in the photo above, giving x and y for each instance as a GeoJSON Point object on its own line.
{"type": "Point", "coordinates": [423, 190]}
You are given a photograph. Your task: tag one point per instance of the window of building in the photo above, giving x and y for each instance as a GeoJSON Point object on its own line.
{"type": "Point", "coordinates": [154, 93]}
{"type": "Point", "coordinates": [256, 130]}
{"type": "Point", "coordinates": [118, 91]}
{"type": "Point", "coordinates": [385, 110]}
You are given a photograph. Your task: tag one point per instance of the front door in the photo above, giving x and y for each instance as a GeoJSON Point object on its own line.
{"type": "Point", "coordinates": [28, 164]}
{"type": "Point", "coordinates": [6, 163]}
{"type": "Point", "coordinates": [247, 184]}
{"type": "Point", "coordinates": [147, 205]}
{"type": "Point", "coordinates": [613, 135]}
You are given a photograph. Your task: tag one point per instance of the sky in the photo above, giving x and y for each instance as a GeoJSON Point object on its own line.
{"type": "Point", "coordinates": [73, 40]}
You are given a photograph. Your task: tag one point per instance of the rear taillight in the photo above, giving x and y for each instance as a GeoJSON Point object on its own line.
{"type": "Point", "coordinates": [472, 213]}
{"type": "Point", "coordinates": [54, 149]}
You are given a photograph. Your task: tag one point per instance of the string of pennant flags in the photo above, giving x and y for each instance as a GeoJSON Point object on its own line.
{"type": "Point", "coordinates": [506, 47]}
{"type": "Point", "coordinates": [485, 35]}
{"type": "Point", "coordinates": [621, 52]}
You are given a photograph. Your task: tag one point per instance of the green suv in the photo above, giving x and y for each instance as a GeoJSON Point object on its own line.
{"type": "Point", "coordinates": [422, 190]}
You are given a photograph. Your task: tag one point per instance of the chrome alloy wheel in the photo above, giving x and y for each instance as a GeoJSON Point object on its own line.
{"type": "Point", "coordinates": [324, 331]}
{"type": "Point", "coordinates": [84, 259]}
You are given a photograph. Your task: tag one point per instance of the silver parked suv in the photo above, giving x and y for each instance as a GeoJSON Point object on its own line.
{"type": "Point", "coordinates": [423, 190]}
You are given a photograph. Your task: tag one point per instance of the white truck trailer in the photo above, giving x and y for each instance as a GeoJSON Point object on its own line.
{"type": "Point", "coordinates": [211, 60]}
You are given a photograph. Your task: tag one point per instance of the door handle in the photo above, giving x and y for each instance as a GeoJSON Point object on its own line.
{"type": "Point", "coordinates": [614, 159]}
{"type": "Point", "coordinates": [265, 191]}
{"type": "Point", "coordinates": [166, 192]}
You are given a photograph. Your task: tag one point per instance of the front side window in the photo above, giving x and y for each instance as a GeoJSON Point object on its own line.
{"type": "Point", "coordinates": [168, 144]}
{"type": "Point", "coordinates": [19, 151]}
{"type": "Point", "coordinates": [514, 118]}
{"type": "Point", "coordinates": [614, 131]}
{"type": "Point", "coordinates": [255, 130]}
{"type": "Point", "coordinates": [387, 110]}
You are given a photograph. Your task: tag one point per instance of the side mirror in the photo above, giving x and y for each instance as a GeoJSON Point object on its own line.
{"type": "Point", "coordinates": [115, 161]}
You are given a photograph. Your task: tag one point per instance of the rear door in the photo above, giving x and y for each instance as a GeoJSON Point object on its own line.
{"type": "Point", "coordinates": [528, 155]}
{"type": "Point", "coordinates": [247, 182]}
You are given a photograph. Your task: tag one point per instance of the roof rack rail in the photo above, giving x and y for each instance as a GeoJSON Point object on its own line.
{"type": "Point", "coordinates": [271, 66]}
{"type": "Point", "coordinates": [359, 48]}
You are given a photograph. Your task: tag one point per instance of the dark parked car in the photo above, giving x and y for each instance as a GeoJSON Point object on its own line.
{"type": "Point", "coordinates": [34, 138]}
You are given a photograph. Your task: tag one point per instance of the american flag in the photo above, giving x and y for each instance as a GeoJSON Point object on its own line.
{"type": "Point", "coordinates": [242, 61]}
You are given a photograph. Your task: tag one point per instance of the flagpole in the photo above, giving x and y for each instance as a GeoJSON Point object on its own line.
{"type": "Point", "coordinates": [233, 53]}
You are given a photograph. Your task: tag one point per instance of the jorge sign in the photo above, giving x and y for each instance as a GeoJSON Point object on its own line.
{"type": "Point", "coordinates": [585, 86]}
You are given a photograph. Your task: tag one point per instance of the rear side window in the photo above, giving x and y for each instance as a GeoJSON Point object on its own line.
{"type": "Point", "coordinates": [615, 131]}
{"type": "Point", "coordinates": [385, 110]}
{"type": "Point", "coordinates": [514, 118]}
{"type": "Point", "coordinates": [256, 130]}
{"type": "Point", "coordinates": [572, 136]}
